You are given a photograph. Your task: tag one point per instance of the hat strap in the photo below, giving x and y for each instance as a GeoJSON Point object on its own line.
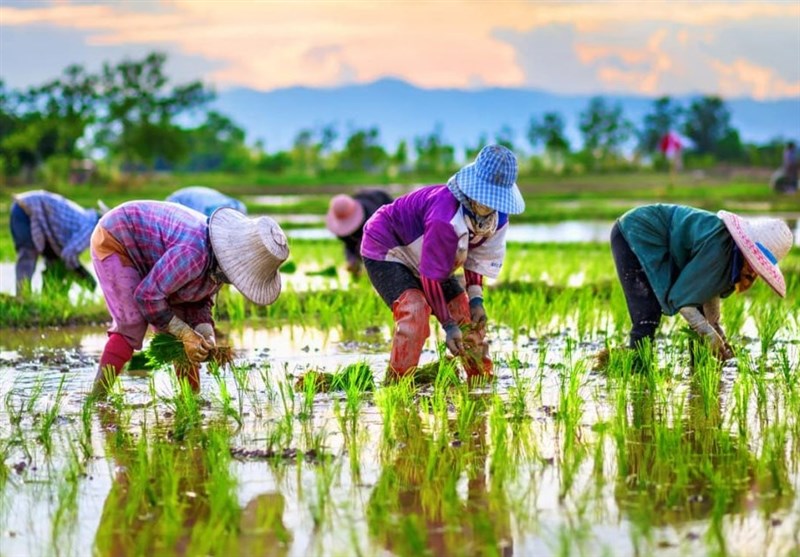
{"type": "Point", "coordinates": [768, 254]}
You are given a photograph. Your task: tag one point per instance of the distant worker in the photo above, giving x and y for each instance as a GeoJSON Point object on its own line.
{"type": "Point", "coordinates": [47, 224]}
{"type": "Point", "coordinates": [205, 200]}
{"type": "Point", "coordinates": [671, 147]}
{"type": "Point", "coordinates": [346, 218]}
{"type": "Point", "coordinates": [413, 246]}
{"type": "Point", "coordinates": [675, 259]}
{"type": "Point", "coordinates": [161, 264]}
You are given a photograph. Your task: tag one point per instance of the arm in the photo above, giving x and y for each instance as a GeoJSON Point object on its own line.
{"type": "Point", "coordinates": [475, 293]}
{"type": "Point", "coordinates": [176, 268]}
{"type": "Point", "coordinates": [75, 246]}
{"type": "Point", "coordinates": [701, 326]}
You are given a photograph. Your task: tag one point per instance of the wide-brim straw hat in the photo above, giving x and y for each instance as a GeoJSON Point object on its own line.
{"type": "Point", "coordinates": [492, 180]}
{"type": "Point", "coordinates": [249, 251]}
{"type": "Point", "coordinates": [763, 243]}
{"type": "Point", "coordinates": [345, 215]}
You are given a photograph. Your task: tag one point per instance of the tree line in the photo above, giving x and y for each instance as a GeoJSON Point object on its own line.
{"type": "Point", "coordinates": [132, 118]}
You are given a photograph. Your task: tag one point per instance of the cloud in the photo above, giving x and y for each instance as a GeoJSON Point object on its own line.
{"type": "Point", "coordinates": [669, 47]}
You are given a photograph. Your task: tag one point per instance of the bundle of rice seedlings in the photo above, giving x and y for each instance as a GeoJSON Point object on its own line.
{"type": "Point", "coordinates": [326, 272]}
{"type": "Point", "coordinates": [165, 350]}
{"type": "Point", "coordinates": [358, 376]}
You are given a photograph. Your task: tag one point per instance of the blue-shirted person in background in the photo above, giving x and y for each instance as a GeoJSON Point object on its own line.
{"type": "Point", "coordinates": [205, 200]}
{"type": "Point", "coordinates": [49, 225]}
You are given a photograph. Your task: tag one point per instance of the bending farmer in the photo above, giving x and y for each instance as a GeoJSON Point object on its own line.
{"type": "Point", "coordinates": [346, 218]}
{"type": "Point", "coordinates": [161, 264]}
{"type": "Point", "coordinates": [205, 200]}
{"type": "Point", "coordinates": [413, 247]}
{"type": "Point", "coordinates": [674, 259]}
{"type": "Point", "coordinates": [47, 224]}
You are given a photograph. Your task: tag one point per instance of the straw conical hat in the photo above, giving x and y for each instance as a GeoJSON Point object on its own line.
{"type": "Point", "coordinates": [763, 243]}
{"type": "Point", "coordinates": [250, 252]}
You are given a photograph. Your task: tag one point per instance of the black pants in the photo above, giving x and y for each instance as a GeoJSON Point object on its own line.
{"type": "Point", "coordinates": [391, 279]}
{"type": "Point", "coordinates": [643, 306]}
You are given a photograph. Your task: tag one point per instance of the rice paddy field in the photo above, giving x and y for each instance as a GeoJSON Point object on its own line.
{"type": "Point", "coordinates": [666, 455]}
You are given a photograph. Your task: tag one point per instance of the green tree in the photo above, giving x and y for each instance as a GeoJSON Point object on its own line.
{"type": "Point", "coordinates": [505, 137]}
{"type": "Point", "coordinates": [217, 144]}
{"type": "Point", "coordinates": [363, 152]}
{"type": "Point", "coordinates": [433, 154]}
{"type": "Point", "coordinates": [472, 151]}
{"type": "Point", "coordinates": [664, 116]}
{"type": "Point", "coordinates": [707, 124]}
{"type": "Point", "coordinates": [604, 128]}
{"type": "Point", "coordinates": [138, 125]}
{"type": "Point", "coordinates": [548, 132]}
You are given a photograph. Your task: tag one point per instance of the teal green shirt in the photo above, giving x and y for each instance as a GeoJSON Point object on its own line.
{"type": "Point", "coordinates": [686, 253]}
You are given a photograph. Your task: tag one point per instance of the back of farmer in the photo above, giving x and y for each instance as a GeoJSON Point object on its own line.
{"type": "Point", "coordinates": [161, 264]}
{"type": "Point", "coordinates": [47, 224]}
{"type": "Point", "coordinates": [205, 200]}
{"type": "Point", "coordinates": [413, 246]}
{"type": "Point", "coordinates": [346, 218]}
{"type": "Point", "coordinates": [676, 259]}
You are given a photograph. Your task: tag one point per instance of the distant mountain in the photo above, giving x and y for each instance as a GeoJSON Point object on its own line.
{"type": "Point", "coordinates": [403, 111]}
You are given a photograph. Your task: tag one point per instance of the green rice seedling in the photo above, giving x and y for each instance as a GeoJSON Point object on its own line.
{"type": "Point", "coordinates": [186, 409]}
{"type": "Point", "coordinates": [356, 376]}
{"type": "Point", "coordinates": [768, 318]}
{"type": "Point", "coordinates": [48, 418]}
{"type": "Point", "coordinates": [225, 398]}
{"type": "Point", "coordinates": [67, 498]}
{"type": "Point", "coordinates": [734, 315]}
{"type": "Point", "coordinates": [34, 395]}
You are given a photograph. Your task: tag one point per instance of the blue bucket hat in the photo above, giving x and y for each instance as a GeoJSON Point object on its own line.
{"type": "Point", "coordinates": [492, 180]}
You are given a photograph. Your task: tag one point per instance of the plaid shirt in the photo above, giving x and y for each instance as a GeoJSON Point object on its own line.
{"type": "Point", "coordinates": [59, 223]}
{"type": "Point", "coordinates": [169, 246]}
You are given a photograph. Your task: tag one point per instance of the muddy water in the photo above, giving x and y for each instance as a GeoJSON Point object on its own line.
{"type": "Point", "coordinates": [583, 494]}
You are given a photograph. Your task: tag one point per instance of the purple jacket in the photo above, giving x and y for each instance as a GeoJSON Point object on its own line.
{"type": "Point", "coordinates": [427, 232]}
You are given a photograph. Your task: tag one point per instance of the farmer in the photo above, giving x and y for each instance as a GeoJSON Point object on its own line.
{"type": "Point", "coordinates": [346, 218]}
{"type": "Point", "coordinates": [161, 264]}
{"type": "Point", "coordinates": [413, 246]}
{"type": "Point", "coordinates": [47, 224]}
{"type": "Point", "coordinates": [675, 259]}
{"type": "Point", "coordinates": [205, 200]}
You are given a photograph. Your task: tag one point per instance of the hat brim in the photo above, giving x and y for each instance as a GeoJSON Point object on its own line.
{"type": "Point", "coordinates": [228, 231]}
{"type": "Point", "coordinates": [763, 267]}
{"type": "Point", "coordinates": [345, 226]}
{"type": "Point", "coordinates": [504, 200]}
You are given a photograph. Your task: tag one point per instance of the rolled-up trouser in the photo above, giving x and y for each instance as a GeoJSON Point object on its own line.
{"type": "Point", "coordinates": [643, 306]}
{"type": "Point", "coordinates": [402, 291]}
{"type": "Point", "coordinates": [27, 254]}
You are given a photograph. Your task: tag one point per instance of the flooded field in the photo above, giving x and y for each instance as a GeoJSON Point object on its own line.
{"type": "Point", "coordinates": [555, 457]}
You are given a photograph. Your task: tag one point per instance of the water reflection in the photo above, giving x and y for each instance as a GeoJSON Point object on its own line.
{"type": "Point", "coordinates": [178, 498]}
{"type": "Point", "coordinates": [679, 472]}
{"type": "Point", "coordinates": [419, 505]}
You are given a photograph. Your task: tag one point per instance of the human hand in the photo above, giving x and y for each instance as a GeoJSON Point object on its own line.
{"type": "Point", "coordinates": [206, 330]}
{"type": "Point", "coordinates": [194, 344]}
{"type": "Point", "coordinates": [454, 339]}
{"type": "Point", "coordinates": [477, 312]}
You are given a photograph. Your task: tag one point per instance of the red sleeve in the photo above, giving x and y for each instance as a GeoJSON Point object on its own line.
{"type": "Point", "coordinates": [472, 278]}
{"type": "Point", "coordinates": [435, 296]}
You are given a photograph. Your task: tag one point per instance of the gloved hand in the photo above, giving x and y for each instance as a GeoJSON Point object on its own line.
{"type": "Point", "coordinates": [195, 346]}
{"type": "Point", "coordinates": [702, 327]}
{"type": "Point", "coordinates": [477, 312]}
{"type": "Point", "coordinates": [454, 339]}
{"type": "Point", "coordinates": [206, 330]}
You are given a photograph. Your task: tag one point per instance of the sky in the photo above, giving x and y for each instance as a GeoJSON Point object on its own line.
{"type": "Point", "coordinates": [642, 47]}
